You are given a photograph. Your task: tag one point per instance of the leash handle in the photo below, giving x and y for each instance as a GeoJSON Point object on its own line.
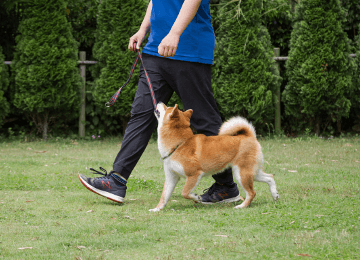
{"type": "Point", "coordinates": [113, 99]}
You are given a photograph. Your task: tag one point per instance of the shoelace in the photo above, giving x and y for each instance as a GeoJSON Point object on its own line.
{"type": "Point", "coordinates": [105, 174]}
{"type": "Point", "coordinates": [211, 189]}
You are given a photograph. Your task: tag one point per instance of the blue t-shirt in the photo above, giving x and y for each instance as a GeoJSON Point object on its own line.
{"type": "Point", "coordinates": [196, 43]}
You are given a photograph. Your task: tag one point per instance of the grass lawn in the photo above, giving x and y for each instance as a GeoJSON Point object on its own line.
{"type": "Point", "coordinates": [46, 213]}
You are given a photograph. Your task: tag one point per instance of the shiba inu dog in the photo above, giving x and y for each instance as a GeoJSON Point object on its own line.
{"type": "Point", "coordinates": [195, 156]}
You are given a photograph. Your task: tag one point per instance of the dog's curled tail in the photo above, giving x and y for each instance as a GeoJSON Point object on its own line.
{"type": "Point", "coordinates": [237, 126]}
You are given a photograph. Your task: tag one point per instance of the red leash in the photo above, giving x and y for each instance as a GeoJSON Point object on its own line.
{"type": "Point", "coordinates": [115, 96]}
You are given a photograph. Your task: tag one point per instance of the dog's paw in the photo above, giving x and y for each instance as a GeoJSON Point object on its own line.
{"type": "Point", "coordinates": [276, 197]}
{"type": "Point", "coordinates": [196, 198]}
{"type": "Point", "coordinates": [239, 206]}
{"type": "Point", "coordinates": [154, 210]}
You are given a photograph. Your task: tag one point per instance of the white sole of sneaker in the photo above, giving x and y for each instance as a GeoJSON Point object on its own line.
{"type": "Point", "coordinates": [105, 194]}
{"type": "Point", "coordinates": [235, 199]}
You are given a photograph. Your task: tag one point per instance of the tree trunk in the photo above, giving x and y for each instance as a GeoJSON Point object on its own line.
{"type": "Point", "coordinates": [41, 121]}
{"type": "Point", "coordinates": [45, 131]}
{"type": "Point", "coordinates": [45, 126]}
{"type": "Point", "coordinates": [317, 126]}
{"type": "Point", "coordinates": [338, 124]}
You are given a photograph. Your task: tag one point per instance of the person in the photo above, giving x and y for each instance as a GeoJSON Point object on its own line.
{"type": "Point", "coordinates": [177, 58]}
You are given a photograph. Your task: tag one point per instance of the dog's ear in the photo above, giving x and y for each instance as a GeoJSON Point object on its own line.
{"type": "Point", "coordinates": [188, 113]}
{"type": "Point", "coordinates": [175, 112]}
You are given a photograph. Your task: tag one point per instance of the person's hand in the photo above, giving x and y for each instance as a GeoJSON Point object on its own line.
{"type": "Point", "coordinates": [138, 39]}
{"type": "Point", "coordinates": [168, 46]}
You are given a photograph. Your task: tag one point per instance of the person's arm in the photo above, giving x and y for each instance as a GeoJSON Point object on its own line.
{"type": "Point", "coordinates": [169, 44]}
{"type": "Point", "coordinates": [144, 28]}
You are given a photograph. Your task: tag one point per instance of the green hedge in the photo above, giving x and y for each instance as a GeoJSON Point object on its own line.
{"type": "Point", "coordinates": [4, 83]}
{"type": "Point", "coordinates": [47, 78]}
{"type": "Point", "coordinates": [319, 68]}
{"type": "Point", "coordinates": [352, 20]}
{"type": "Point", "coordinates": [244, 75]}
{"type": "Point", "coordinates": [355, 93]}
{"type": "Point", "coordinates": [117, 21]}
{"type": "Point", "coordinates": [352, 28]}
{"type": "Point", "coordinates": [276, 16]}
{"type": "Point", "coordinates": [82, 16]}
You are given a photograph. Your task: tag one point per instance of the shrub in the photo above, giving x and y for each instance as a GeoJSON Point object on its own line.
{"type": "Point", "coordinates": [82, 15]}
{"type": "Point", "coordinates": [352, 19]}
{"type": "Point", "coordinates": [10, 14]}
{"type": "Point", "coordinates": [117, 21]}
{"type": "Point", "coordinates": [4, 83]}
{"type": "Point", "coordinates": [352, 28]}
{"type": "Point", "coordinates": [355, 93]}
{"type": "Point", "coordinates": [277, 17]}
{"type": "Point", "coordinates": [47, 79]}
{"type": "Point", "coordinates": [244, 74]}
{"type": "Point", "coordinates": [319, 67]}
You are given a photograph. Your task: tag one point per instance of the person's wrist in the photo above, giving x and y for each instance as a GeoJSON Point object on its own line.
{"type": "Point", "coordinates": [174, 33]}
{"type": "Point", "coordinates": [143, 30]}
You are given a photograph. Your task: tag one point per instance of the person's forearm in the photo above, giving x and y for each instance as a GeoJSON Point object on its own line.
{"type": "Point", "coordinates": [186, 14]}
{"type": "Point", "coordinates": [168, 45]}
{"type": "Point", "coordinates": [145, 25]}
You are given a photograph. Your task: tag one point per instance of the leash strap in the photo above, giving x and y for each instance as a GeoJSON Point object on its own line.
{"type": "Point", "coordinates": [116, 95]}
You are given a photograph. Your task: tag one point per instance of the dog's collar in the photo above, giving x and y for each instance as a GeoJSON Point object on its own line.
{"type": "Point", "coordinates": [167, 156]}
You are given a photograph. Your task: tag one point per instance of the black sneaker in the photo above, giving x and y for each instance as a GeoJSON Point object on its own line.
{"type": "Point", "coordinates": [220, 193]}
{"type": "Point", "coordinates": [107, 186]}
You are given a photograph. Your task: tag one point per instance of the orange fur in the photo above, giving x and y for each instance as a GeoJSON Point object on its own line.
{"type": "Point", "coordinates": [194, 156]}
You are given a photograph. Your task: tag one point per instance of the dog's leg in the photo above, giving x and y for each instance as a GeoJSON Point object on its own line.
{"type": "Point", "coordinates": [245, 178]}
{"type": "Point", "coordinates": [269, 179]}
{"type": "Point", "coordinates": [190, 185]}
{"type": "Point", "coordinates": [171, 179]}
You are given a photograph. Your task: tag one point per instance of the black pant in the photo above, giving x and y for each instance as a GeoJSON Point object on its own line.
{"type": "Point", "coordinates": [192, 83]}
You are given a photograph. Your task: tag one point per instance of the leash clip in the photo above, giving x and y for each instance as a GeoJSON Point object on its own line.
{"type": "Point", "coordinates": [157, 113]}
